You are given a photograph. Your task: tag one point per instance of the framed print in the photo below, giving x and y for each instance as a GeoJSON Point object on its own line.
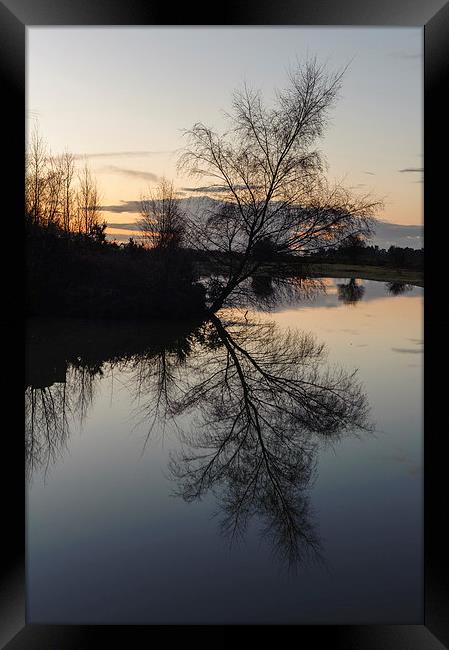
{"type": "Point", "coordinates": [232, 411]}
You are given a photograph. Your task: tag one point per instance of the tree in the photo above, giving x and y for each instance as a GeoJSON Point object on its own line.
{"type": "Point", "coordinates": [54, 190]}
{"type": "Point", "coordinates": [271, 177]}
{"type": "Point", "coordinates": [51, 197]}
{"type": "Point", "coordinates": [88, 200]}
{"type": "Point", "coordinates": [68, 167]}
{"type": "Point", "coordinates": [36, 160]}
{"type": "Point", "coordinates": [162, 221]}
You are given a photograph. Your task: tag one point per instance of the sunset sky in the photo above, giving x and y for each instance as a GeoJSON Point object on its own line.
{"type": "Point", "coordinates": [123, 96]}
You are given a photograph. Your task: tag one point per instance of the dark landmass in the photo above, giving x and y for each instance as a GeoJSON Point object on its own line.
{"type": "Point", "coordinates": [351, 261]}
{"type": "Point", "coordinates": [85, 276]}
{"type": "Point", "coordinates": [89, 343]}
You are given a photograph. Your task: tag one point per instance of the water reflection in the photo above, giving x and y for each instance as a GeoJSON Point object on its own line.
{"type": "Point", "coordinates": [398, 288]}
{"type": "Point", "coordinates": [350, 293]}
{"type": "Point", "coordinates": [267, 290]}
{"type": "Point", "coordinates": [66, 360]}
{"type": "Point", "coordinates": [251, 402]}
{"type": "Point", "coordinates": [46, 425]}
{"type": "Point", "coordinates": [260, 403]}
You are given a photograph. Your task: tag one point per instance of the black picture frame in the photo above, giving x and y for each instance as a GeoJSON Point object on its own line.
{"type": "Point", "coordinates": [15, 16]}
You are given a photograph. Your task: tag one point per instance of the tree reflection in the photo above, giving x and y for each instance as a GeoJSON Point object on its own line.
{"type": "Point", "coordinates": [269, 290]}
{"type": "Point", "coordinates": [155, 379]}
{"type": "Point", "coordinates": [398, 288]}
{"type": "Point", "coordinates": [351, 292]}
{"type": "Point", "coordinates": [62, 377]}
{"type": "Point", "coordinates": [251, 403]}
{"type": "Point", "coordinates": [260, 404]}
{"type": "Point", "coordinates": [48, 410]}
{"type": "Point", "coordinates": [46, 425]}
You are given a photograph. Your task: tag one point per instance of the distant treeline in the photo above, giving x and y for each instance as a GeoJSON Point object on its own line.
{"type": "Point", "coordinates": [395, 257]}
{"type": "Point", "coordinates": [358, 252]}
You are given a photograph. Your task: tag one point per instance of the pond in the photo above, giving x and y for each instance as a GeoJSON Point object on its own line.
{"type": "Point", "coordinates": [264, 467]}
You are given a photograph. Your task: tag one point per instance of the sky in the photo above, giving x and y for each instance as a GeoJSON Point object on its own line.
{"type": "Point", "coordinates": [123, 95]}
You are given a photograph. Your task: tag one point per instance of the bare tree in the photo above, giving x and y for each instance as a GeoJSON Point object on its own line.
{"type": "Point", "coordinates": [53, 191]}
{"type": "Point", "coordinates": [271, 178]}
{"type": "Point", "coordinates": [68, 167]}
{"type": "Point", "coordinates": [88, 201]}
{"type": "Point", "coordinates": [51, 196]}
{"type": "Point", "coordinates": [36, 161]}
{"type": "Point", "coordinates": [162, 221]}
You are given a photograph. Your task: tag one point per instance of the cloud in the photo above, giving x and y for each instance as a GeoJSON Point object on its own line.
{"type": "Point", "coordinates": [408, 170]}
{"type": "Point", "coordinates": [122, 237]}
{"type": "Point", "coordinates": [402, 54]}
{"type": "Point", "coordinates": [370, 173]}
{"type": "Point", "coordinates": [124, 206]}
{"type": "Point", "coordinates": [207, 188]}
{"type": "Point", "coordinates": [124, 226]}
{"type": "Point", "coordinates": [386, 234]}
{"type": "Point", "coordinates": [135, 173]}
{"type": "Point", "coordinates": [396, 234]}
{"type": "Point", "coordinates": [216, 188]}
{"type": "Point", "coordinates": [407, 350]}
{"type": "Point", "coordinates": [122, 154]}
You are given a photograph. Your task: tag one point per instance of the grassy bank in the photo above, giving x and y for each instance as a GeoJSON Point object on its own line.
{"type": "Point", "coordinates": [290, 266]}
{"type": "Point", "coordinates": [367, 272]}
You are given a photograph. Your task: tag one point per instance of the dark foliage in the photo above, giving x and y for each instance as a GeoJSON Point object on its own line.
{"type": "Point", "coordinates": [355, 252]}
{"type": "Point", "coordinates": [83, 275]}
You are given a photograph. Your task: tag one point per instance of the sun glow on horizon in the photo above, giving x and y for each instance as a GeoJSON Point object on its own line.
{"type": "Point", "coordinates": [80, 90]}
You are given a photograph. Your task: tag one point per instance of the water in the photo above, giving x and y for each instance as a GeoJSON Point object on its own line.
{"type": "Point", "coordinates": [145, 505]}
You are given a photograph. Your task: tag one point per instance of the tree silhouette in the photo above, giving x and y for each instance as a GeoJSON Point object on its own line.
{"type": "Point", "coordinates": [260, 405]}
{"type": "Point", "coordinates": [162, 221]}
{"type": "Point", "coordinates": [271, 177]}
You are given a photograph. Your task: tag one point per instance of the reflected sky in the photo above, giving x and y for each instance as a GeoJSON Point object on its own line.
{"type": "Point", "coordinates": [109, 536]}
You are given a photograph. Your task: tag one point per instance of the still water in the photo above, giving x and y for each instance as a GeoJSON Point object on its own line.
{"type": "Point", "coordinates": [230, 472]}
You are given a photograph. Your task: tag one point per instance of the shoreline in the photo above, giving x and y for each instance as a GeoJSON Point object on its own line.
{"type": "Point", "coordinates": [362, 272]}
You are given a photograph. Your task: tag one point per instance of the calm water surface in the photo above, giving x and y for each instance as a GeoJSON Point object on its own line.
{"type": "Point", "coordinates": [173, 478]}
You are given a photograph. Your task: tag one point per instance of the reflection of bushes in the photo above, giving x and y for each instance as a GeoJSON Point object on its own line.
{"type": "Point", "coordinates": [262, 285]}
{"type": "Point", "coordinates": [398, 288]}
{"type": "Point", "coordinates": [351, 292]}
{"type": "Point", "coordinates": [65, 360]}
{"type": "Point", "coordinates": [78, 276]}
